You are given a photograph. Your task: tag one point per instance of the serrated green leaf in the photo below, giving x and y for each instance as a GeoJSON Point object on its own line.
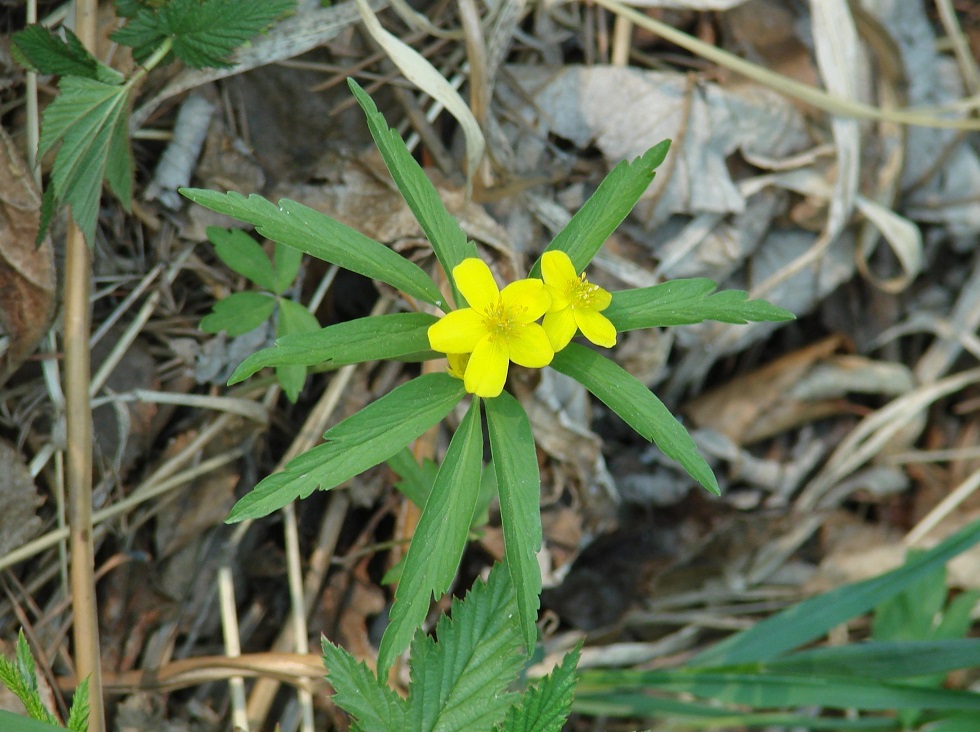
{"type": "Point", "coordinates": [361, 441]}
{"type": "Point", "coordinates": [459, 679]}
{"type": "Point", "coordinates": [395, 335]}
{"type": "Point", "coordinates": [320, 236]}
{"type": "Point", "coordinates": [812, 618]}
{"type": "Point", "coordinates": [440, 536]}
{"type": "Point", "coordinates": [244, 255]}
{"type": "Point", "coordinates": [515, 463]}
{"type": "Point", "coordinates": [40, 49]}
{"type": "Point", "coordinates": [78, 714]}
{"type": "Point", "coordinates": [545, 706]}
{"type": "Point", "coordinates": [87, 118]}
{"type": "Point", "coordinates": [10, 722]}
{"type": "Point", "coordinates": [287, 261]}
{"type": "Point", "coordinates": [358, 692]}
{"type": "Point", "coordinates": [204, 32]}
{"type": "Point", "coordinates": [239, 313]}
{"type": "Point", "coordinates": [606, 208]}
{"type": "Point", "coordinates": [448, 240]}
{"type": "Point", "coordinates": [293, 319]}
{"type": "Point", "coordinates": [20, 678]}
{"type": "Point", "coordinates": [637, 405]}
{"type": "Point", "coordinates": [685, 302]}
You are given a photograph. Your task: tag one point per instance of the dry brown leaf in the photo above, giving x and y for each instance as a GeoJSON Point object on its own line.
{"type": "Point", "coordinates": [19, 522]}
{"type": "Point", "coordinates": [27, 278]}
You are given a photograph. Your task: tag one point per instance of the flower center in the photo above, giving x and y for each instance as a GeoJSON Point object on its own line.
{"type": "Point", "coordinates": [501, 320]}
{"type": "Point", "coordinates": [582, 293]}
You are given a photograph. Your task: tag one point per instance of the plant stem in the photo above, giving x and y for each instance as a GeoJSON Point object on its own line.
{"type": "Point", "coordinates": [78, 415]}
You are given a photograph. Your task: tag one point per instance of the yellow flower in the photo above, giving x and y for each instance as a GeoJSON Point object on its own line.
{"type": "Point", "coordinates": [498, 327]}
{"type": "Point", "coordinates": [575, 304]}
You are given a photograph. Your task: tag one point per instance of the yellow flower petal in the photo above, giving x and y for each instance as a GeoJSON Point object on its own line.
{"type": "Point", "coordinates": [560, 327]}
{"type": "Point", "coordinates": [475, 281]}
{"type": "Point", "coordinates": [526, 300]}
{"type": "Point", "coordinates": [557, 268]}
{"type": "Point", "coordinates": [601, 299]}
{"type": "Point", "coordinates": [457, 332]}
{"type": "Point", "coordinates": [457, 364]}
{"type": "Point", "coordinates": [529, 346]}
{"type": "Point", "coordinates": [487, 370]}
{"type": "Point", "coordinates": [596, 327]}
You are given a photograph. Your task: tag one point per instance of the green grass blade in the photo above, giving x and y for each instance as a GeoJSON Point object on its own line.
{"type": "Point", "coordinates": [685, 302]}
{"type": "Point", "coordinates": [320, 236]}
{"type": "Point", "coordinates": [812, 618]}
{"type": "Point", "coordinates": [440, 537]}
{"type": "Point", "coordinates": [515, 463]}
{"type": "Point", "coordinates": [637, 405]}
{"type": "Point", "coordinates": [365, 339]}
{"type": "Point", "coordinates": [361, 441]}
{"type": "Point", "coordinates": [448, 240]}
{"type": "Point", "coordinates": [606, 208]}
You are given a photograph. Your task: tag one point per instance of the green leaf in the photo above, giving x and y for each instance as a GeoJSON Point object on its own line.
{"type": "Point", "coordinates": [448, 240]}
{"type": "Point", "coordinates": [20, 678]}
{"type": "Point", "coordinates": [606, 208]}
{"type": "Point", "coordinates": [515, 463]}
{"type": "Point", "coordinates": [544, 707]}
{"type": "Point", "coordinates": [239, 313]}
{"type": "Point", "coordinates": [361, 441]}
{"type": "Point", "coordinates": [294, 319]}
{"type": "Point", "coordinates": [440, 536]}
{"type": "Point", "coordinates": [954, 723]}
{"type": "Point", "coordinates": [364, 339]}
{"type": "Point", "coordinates": [89, 119]}
{"type": "Point", "coordinates": [244, 255]}
{"type": "Point", "coordinates": [359, 693]}
{"type": "Point", "coordinates": [785, 690]}
{"type": "Point", "coordinates": [459, 680]}
{"type": "Point", "coordinates": [299, 226]}
{"type": "Point", "coordinates": [879, 660]}
{"type": "Point", "coordinates": [78, 714]}
{"type": "Point", "coordinates": [911, 614]}
{"type": "Point", "coordinates": [39, 49]}
{"type": "Point", "coordinates": [10, 722]}
{"type": "Point", "coordinates": [416, 480]}
{"type": "Point", "coordinates": [204, 32]}
{"type": "Point", "coordinates": [637, 405]}
{"type": "Point", "coordinates": [287, 261]}
{"type": "Point", "coordinates": [685, 302]}
{"type": "Point", "coordinates": [815, 616]}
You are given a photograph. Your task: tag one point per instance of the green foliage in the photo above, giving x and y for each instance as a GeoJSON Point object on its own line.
{"type": "Point", "coordinates": [241, 312]}
{"type": "Point", "coordinates": [20, 678]}
{"type": "Point", "coordinates": [361, 441]}
{"type": "Point", "coordinates": [39, 49]}
{"type": "Point", "coordinates": [202, 32]}
{"type": "Point", "coordinates": [761, 668]}
{"type": "Point", "coordinates": [685, 302]}
{"type": "Point", "coordinates": [637, 405]}
{"type": "Point", "coordinates": [459, 679]}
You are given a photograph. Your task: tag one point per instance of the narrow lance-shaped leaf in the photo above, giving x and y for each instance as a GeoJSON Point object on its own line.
{"type": "Point", "coordinates": [459, 679]}
{"type": "Point", "coordinates": [448, 240]}
{"type": "Point", "coordinates": [685, 302]}
{"type": "Point", "coordinates": [519, 486]}
{"type": "Point", "coordinates": [606, 208]}
{"type": "Point", "coordinates": [361, 441]}
{"type": "Point", "coordinates": [310, 231]}
{"type": "Point", "coordinates": [637, 405]}
{"type": "Point", "coordinates": [812, 618]}
{"type": "Point", "coordinates": [440, 536]}
{"type": "Point", "coordinates": [396, 335]}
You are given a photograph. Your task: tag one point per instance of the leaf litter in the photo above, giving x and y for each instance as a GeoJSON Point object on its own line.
{"type": "Point", "coordinates": [838, 439]}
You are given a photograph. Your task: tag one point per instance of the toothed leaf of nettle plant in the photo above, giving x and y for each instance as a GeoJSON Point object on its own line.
{"type": "Point", "coordinates": [88, 122]}
{"type": "Point", "coordinates": [20, 677]}
{"type": "Point", "coordinates": [531, 322]}
{"type": "Point", "coordinates": [461, 679]}
{"type": "Point", "coordinates": [242, 312]}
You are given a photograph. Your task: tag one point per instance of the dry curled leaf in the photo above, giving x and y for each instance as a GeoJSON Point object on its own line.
{"type": "Point", "coordinates": [27, 279]}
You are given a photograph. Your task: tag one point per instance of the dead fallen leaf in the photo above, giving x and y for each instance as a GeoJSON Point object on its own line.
{"type": "Point", "coordinates": [19, 522]}
{"type": "Point", "coordinates": [27, 278]}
